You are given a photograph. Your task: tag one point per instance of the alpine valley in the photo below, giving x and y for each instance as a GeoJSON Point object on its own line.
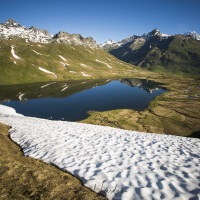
{"type": "Point", "coordinates": [31, 55]}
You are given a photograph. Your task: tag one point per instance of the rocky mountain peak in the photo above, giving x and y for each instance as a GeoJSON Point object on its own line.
{"type": "Point", "coordinates": [152, 34]}
{"type": "Point", "coordinates": [33, 28]}
{"type": "Point", "coordinates": [76, 39]}
{"type": "Point", "coordinates": [155, 32]}
{"type": "Point", "coordinates": [193, 34]}
{"type": "Point", "coordinates": [61, 34]}
{"type": "Point", "coordinates": [36, 30]}
{"type": "Point", "coordinates": [11, 22]}
{"type": "Point", "coordinates": [12, 29]}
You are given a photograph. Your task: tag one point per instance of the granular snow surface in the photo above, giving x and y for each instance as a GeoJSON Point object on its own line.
{"type": "Point", "coordinates": [118, 163]}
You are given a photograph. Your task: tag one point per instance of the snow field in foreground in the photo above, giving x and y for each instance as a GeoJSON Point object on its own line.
{"type": "Point", "coordinates": [118, 163]}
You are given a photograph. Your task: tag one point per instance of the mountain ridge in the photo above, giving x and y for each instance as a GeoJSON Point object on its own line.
{"type": "Point", "coordinates": [180, 52]}
{"type": "Point", "coordinates": [154, 32]}
{"type": "Point", "coordinates": [12, 29]}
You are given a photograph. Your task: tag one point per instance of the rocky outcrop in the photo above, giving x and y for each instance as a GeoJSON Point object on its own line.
{"type": "Point", "coordinates": [12, 29]}
{"type": "Point", "coordinates": [76, 39]}
{"type": "Point", "coordinates": [11, 23]}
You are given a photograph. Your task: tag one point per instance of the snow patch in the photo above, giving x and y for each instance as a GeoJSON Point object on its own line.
{"type": "Point", "coordinates": [108, 58]}
{"type": "Point", "coordinates": [47, 84]}
{"type": "Point", "coordinates": [120, 63]}
{"type": "Point", "coordinates": [63, 63]}
{"type": "Point", "coordinates": [109, 42]}
{"type": "Point", "coordinates": [65, 87]}
{"type": "Point", "coordinates": [84, 65]}
{"type": "Point", "coordinates": [104, 63]}
{"type": "Point", "coordinates": [37, 52]}
{"type": "Point", "coordinates": [8, 111]}
{"type": "Point", "coordinates": [165, 35]}
{"type": "Point", "coordinates": [20, 96]}
{"type": "Point", "coordinates": [62, 58]}
{"type": "Point", "coordinates": [84, 74]}
{"type": "Point", "coordinates": [119, 163]}
{"type": "Point", "coordinates": [193, 34]}
{"type": "Point", "coordinates": [72, 47]}
{"type": "Point", "coordinates": [13, 53]}
{"type": "Point", "coordinates": [46, 71]}
{"type": "Point", "coordinates": [89, 51]}
{"type": "Point", "coordinates": [22, 32]}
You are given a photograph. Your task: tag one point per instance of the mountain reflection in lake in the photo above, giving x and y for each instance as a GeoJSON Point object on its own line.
{"type": "Point", "coordinates": [72, 100]}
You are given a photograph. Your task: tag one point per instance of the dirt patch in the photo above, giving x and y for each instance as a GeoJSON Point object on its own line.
{"type": "Point", "coordinates": [26, 178]}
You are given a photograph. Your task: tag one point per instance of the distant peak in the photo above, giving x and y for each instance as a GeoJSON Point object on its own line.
{"type": "Point", "coordinates": [193, 34]}
{"type": "Point", "coordinates": [33, 27]}
{"type": "Point", "coordinates": [108, 42]}
{"type": "Point", "coordinates": [155, 32]}
{"type": "Point", "coordinates": [12, 22]}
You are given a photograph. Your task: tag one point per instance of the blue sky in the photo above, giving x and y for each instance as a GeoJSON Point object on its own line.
{"type": "Point", "coordinates": [105, 19]}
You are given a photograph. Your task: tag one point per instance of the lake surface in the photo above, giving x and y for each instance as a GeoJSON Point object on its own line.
{"type": "Point", "coordinates": [72, 100]}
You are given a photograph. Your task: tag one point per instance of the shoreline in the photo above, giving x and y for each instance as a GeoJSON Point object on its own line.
{"type": "Point", "coordinates": [175, 112]}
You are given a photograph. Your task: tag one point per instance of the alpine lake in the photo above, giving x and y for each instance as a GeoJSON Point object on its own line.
{"type": "Point", "coordinates": [72, 101]}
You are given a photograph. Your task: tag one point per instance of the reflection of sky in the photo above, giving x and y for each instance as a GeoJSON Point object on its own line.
{"type": "Point", "coordinates": [113, 95]}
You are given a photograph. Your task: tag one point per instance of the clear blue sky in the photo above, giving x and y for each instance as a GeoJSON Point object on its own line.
{"type": "Point", "coordinates": [105, 19]}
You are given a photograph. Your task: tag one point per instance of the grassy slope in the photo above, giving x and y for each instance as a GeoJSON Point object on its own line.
{"type": "Point", "coordinates": [179, 55]}
{"type": "Point", "coordinates": [27, 178]}
{"type": "Point", "coordinates": [26, 70]}
{"type": "Point", "coordinates": [174, 53]}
